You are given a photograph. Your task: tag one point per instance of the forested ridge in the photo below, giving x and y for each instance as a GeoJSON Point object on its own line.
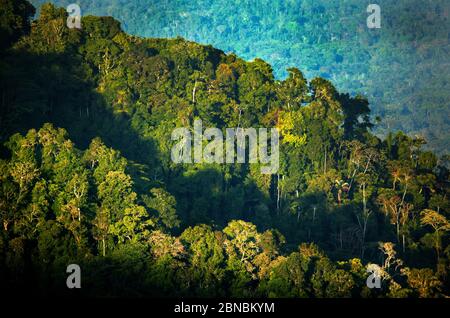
{"type": "Point", "coordinates": [402, 67]}
{"type": "Point", "coordinates": [86, 175]}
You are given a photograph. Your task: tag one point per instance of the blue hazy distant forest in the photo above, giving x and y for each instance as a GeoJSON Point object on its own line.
{"type": "Point", "coordinates": [402, 68]}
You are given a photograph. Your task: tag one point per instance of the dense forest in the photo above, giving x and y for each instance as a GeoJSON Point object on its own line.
{"type": "Point", "coordinates": [402, 68]}
{"type": "Point", "coordinates": [86, 175]}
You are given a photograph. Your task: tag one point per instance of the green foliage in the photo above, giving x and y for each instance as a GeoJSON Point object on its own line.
{"type": "Point", "coordinates": [15, 18]}
{"type": "Point", "coordinates": [113, 201]}
{"type": "Point", "coordinates": [165, 205]}
{"type": "Point", "coordinates": [401, 67]}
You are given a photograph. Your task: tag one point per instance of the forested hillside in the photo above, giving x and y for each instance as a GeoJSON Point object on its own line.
{"type": "Point", "coordinates": [86, 175]}
{"type": "Point", "coordinates": [401, 68]}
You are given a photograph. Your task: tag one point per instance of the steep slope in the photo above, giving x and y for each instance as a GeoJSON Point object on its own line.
{"type": "Point", "coordinates": [401, 68]}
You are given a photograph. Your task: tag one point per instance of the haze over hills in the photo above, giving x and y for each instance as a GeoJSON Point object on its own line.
{"type": "Point", "coordinates": [401, 68]}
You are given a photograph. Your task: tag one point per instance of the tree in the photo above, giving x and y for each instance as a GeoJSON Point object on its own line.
{"type": "Point", "coordinates": [287, 277]}
{"type": "Point", "coordinates": [133, 227]}
{"type": "Point", "coordinates": [270, 244]}
{"type": "Point", "coordinates": [341, 186]}
{"type": "Point", "coordinates": [115, 194]}
{"type": "Point", "coordinates": [206, 259]}
{"type": "Point", "coordinates": [290, 125]}
{"type": "Point", "coordinates": [363, 218]}
{"type": "Point", "coordinates": [395, 172]}
{"type": "Point", "coordinates": [163, 245]}
{"type": "Point", "coordinates": [73, 199]}
{"type": "Point", "coordinates": [440, 225]}
{"type": "Point", "coordinates": [424, 281]}
{"type": "Point", "coordinates": [293, 90]}
{"type": "Point", "coordinates": [356, 115]}
{"type": "Point", "coordinates": [329, 282]}
{"type": "Point", "coordinates": [118, 214]}
{"type": "Point", "coordinates": [15, 16]}
{"type": "Point", "coordinates": [101, 225]}
{"type": "Point", "coordinates": [394, 207]}
{"type": "Point", "coordinates": [390, 256]}
{"type": "Point", "coordinates": [242, 245]}
{"type": "Point", "coordinates": [165, 205]}
{"type": "Point", "coordinates": [101, 159]}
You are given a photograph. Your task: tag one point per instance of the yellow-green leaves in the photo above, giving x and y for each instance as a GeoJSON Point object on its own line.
{"type": "Point", "coordinates": [290, 125]}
